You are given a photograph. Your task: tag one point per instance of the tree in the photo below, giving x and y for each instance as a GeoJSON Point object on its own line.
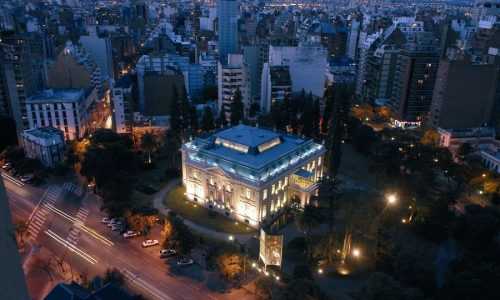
{"type": "Point", "coordinates": [21, 230]}
{"type": "Point", "coordinates": [167, 233]}
{"type": "Point", "coordinates": [316, 118]}
{"type": "Point", "coordinates": [185, 108]}
{"type": "Point", "coordinates": [222, 119]}
{"type": "Point", "coordinates": [266, 285]}
{"type": "Point", "coordinates": [141, 218]}
{"type": "Point", "coordinates": [381, 286]}
{"type": "Point", "coordinates": [116, 194]}
{"type": "Point", "coordinates": [59, 261]}
{"type": "Point", "coordinates": [175, 111]}
{"type": "Point", "coordinates": [230, 266]}
{"type": "Point", "coordinates": [208, 93]}
{"type": "Point", "coordinates": [300, 289]}
{"type": "Point", "coordinates": [172, 145]}
{"type": "Point", "coordinates": [431, 138]}
{"type": "Point", "coordinates": [302, 271]}
{"type": "Point", "coordinates": [114, 276]}
{"type": "Point", "coordinates": [149, 143]}
{"type": "Point", "coordinates": [308, 219]}
{"type": "Point", "coordinates": [7, 132]}
{"type": "Point", "coordinates": [193, 119]}
{"type": "Point", "coordinates": [464, 151]}
{"type": "Point", "coordinates": [363, 112]}
{"type": "Point", "coordinates": [237, 108]}
{"type": "Point", "coordinates": [45, 264]}
{"type": "Point", "coordinates": [339, 98]}
{"type": "Point", "coordinates": [207, 121]}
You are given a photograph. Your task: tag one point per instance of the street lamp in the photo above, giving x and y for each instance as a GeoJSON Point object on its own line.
{"type": "Point", "coordinates": [356, 252]}
{"type": "Point", "coordinates": [391, 199]}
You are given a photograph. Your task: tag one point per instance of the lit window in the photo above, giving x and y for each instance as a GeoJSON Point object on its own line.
{"type": "Point", "coordinates": [420, 81]}
{"type": "Point", "coordinates": [319, 161]}
{"type": "Point", "coordinates": [428, 65]}
{"type": "Point", "coordinates": [273, 189]}
{"type": "Point", "coordinates": [279, 185]}
{"type": "Point", "coordinates": [313, 165]}
{"type": "Point", "coordinates": [264, 212]}
{"type": "Point", "coordinates": [211, 180]}
{"type": "Point", "coordinates": [248, 193]}
{"type": "Point", "coordinates": [228, 188]}
{"type": "Point", "coordinates": [286, 181]}
{"type": "Point", "coordinates": [264, 194]}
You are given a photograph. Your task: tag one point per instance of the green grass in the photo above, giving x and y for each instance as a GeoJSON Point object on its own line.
{"type": "Point", "coordinates": [176, 201]}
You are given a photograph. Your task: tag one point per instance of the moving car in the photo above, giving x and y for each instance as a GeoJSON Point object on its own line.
{"type": "Point", "coordinates": [164, 253]}
{"type": "Point", "coordinates": [149, 243]}
{"type": "Point", "coordinates": [130, 233]}
{"type": "Point", "coordinates": [184, 262]}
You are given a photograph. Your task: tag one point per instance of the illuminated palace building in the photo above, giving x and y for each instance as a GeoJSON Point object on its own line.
{"type": "Point", "coordinates": [250, 174]}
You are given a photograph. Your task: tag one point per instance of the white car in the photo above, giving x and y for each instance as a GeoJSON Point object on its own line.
{"type": "Point", "coordinates": [114, 222]}
{"type": "Point", "coordinates": [6, 166]}
{"type": "Point", "coordinates": [164, 253]}
{"type": "Point", "coordinates": [184, 262]}
{"type": "Point", "coordinates": [26, 178]}
{"type": "Point", "coordinates": [105, 220]}
{"type": "Point", "coordinates": [131, 234]}
{"type": "Point", "coordinates": [149, 243]}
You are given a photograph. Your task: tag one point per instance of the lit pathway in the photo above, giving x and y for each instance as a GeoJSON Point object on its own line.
{"type": "Point", "coordinates": [158, 204]}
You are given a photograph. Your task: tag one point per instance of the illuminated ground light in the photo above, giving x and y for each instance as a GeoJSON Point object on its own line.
{"type": "Point", "coordinates": [320, 271]}
{"type": "Point", "coordinates": [343, 271]}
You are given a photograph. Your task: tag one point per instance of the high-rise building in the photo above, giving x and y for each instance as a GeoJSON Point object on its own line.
{"type": "Point", "coordinates": [464, 94]}
{"type": "Point", "coordinates": [122, 103]}
{"type": "Point", "coordinates": [308, 66]}
{"type": "Point", "coordinates": [233, 76]}
{"type": "Point", "coordinates": [228, 28]}
{"type": "Point", "coordinates": [100, 50]}
{"type": "Point", "coordinates": [74, 68]}
{"type": "Point", "coordinates": [16, 74]}
{"type": "Point", "coordinates": [276, 85]}
{"type": "Point", "coordinates": [414, 80]}
{"type": "Point", "coordinates": [484, 8]}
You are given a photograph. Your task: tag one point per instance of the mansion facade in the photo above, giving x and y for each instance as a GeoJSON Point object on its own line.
{"type": "Point", "coordinates": [250, 174]}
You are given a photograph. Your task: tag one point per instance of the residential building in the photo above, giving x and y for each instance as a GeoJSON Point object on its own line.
{"type": "Point", "coordinates": [74, 69]}
{"type": "Point", "coordinates": [123, 105]}
{"type": "Point", "coordinates": [276, 86]}
{"type": "Point", "coordinates": [480, 137]}
{"type": "Point", "coordinates": [233, 76]}
{"type": "Point", "coordinates": [101, 51]}
{"type": "Point", "coordinates": [464, 94]}
{"type": "Point", "coordinates": [16, 76]}
{"type": "Point", "coordinates": [485, 8]}
{"type": "Point", "coordinates": [414, 80]}
{"type": "Point", "coordinates": [227, 28]}
{"type": "Point", "coordinates": [65, 109]}
{"type": "Point", "coordinates": [249, 173]}
{"type": "Point", "coordinates": [45, 144]}
{"type": "Point", "coordinates": [308, 66]}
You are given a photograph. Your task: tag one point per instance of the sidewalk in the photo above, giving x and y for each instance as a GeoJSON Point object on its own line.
{"type": "Point", "coordinates": [158, 204]}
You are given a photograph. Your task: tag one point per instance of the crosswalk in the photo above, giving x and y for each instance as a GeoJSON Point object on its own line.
{"type": "Point", "coordinates": [69, 186]}
{"type": "Point", "coordinates": [74, 234]}
{"type": "Point", "coordinates": [38, 219]}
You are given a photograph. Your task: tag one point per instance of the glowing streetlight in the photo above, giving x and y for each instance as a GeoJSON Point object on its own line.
{"type": "Point", "coordinates": [484, 175]}
{"type": "Point", "coordinates": [403, 221]}
{"type": "Point", "coordinates": [231, 237]}
{"type": "Point", "coordinates": [356, 252]}
{"type": "Point", "coordinates": [320, 271]}
{"type": "Point", "coordinates": [391, 199]}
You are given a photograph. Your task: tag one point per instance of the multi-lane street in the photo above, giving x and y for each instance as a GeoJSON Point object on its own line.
{"type": "Point", "coordinates": [67, 222]}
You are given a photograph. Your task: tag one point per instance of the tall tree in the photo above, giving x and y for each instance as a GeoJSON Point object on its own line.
{"type": "Point", "coordinates": [114, 276]}
{"type": "Point", "coordinates": [185, 108]}
{"type": "Point", "coordinates": [193, 119]}
{"type": "Point", "coordinates": [221, 119]}
{"type": "Point", "coordinates": [207, 122]}
{"type": "Point", "coordinates": [308, 219]}
{"type": "Point", "coordinates": [316, 117]}
{"type": "Point", "coordinates": [175, 112]}
{"type": "Point", "coordinates": [237, 108]}
{"type": "Point", "coordinates": [148, 143]}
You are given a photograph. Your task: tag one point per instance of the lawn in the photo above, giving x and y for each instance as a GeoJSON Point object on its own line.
{"type": "Point", "coordinates": [176, 202]}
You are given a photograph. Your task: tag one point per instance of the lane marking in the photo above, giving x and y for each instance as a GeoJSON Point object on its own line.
{"type": "Point", "coordinates": [12, 179]}
{"type": "Point", "coordinates": [148, 287]}
{"type": "Point", "coordinates": [71, 247]}
{"type": "Point", "coordinates": [80, 225]}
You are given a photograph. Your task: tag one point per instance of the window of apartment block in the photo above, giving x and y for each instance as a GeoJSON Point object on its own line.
{"type": "Point", "coordinates": [264, 194]}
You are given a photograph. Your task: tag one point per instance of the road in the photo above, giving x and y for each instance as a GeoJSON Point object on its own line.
{"type": "Point", "coordinates": [67, 223]}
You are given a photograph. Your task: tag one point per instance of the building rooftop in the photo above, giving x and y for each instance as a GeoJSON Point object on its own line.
{"type": "Point", "coordinates": [251, 153]}
{"type": "Point", "coordinates": [57, 95]}
{"type": "Point", "coordinates": [44, 135]}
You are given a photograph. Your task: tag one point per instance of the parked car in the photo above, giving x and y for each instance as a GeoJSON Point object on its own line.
{"type": "Point", "coordinates": [184, 262]}
{"type": "Point", "coordinates": [112, 222]}
{"type": "Point", "coordinates": [105, 220]}
{"type": "Point", "coordinates": [7, 166]}
{"type": "Point", "coordinates": [26, 178]}
{"type": "Point", "coordinates": [130, 233]}
{"type": "Point", "coordinates": [116, 227]}
{"type": "Point", "coordinates": [149, 243]}
{"type": "Point", "coordinates": [164, 253]}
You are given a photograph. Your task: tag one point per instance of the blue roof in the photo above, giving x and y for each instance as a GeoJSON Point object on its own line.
{"type": "Point", "coordinates": [247, 135]}
{"type": "Point", "coordinates": [282, 153]}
